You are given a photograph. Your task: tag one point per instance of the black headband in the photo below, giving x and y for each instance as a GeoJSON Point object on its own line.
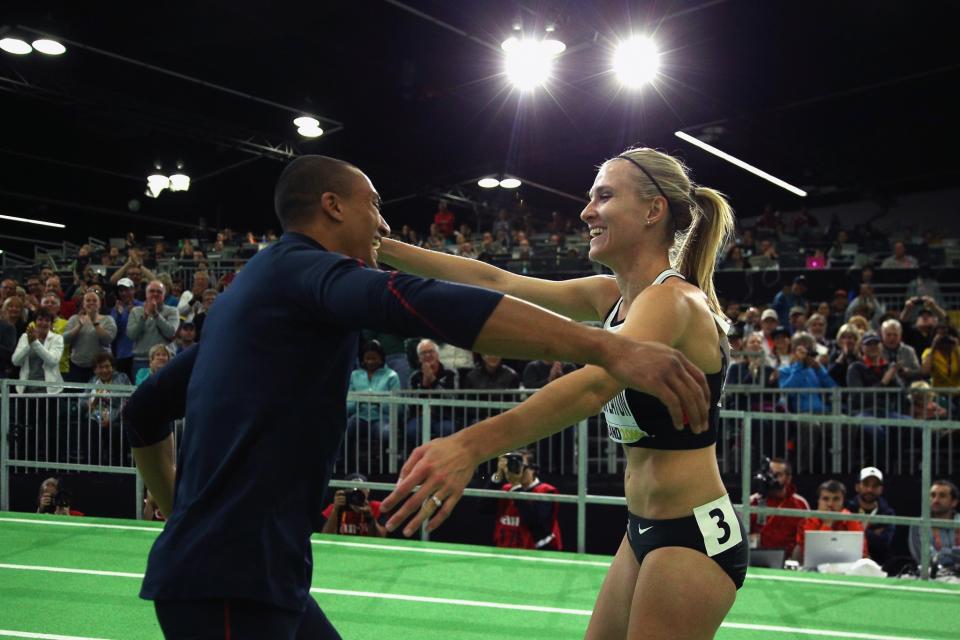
{"type": "Point", "coordinates": [693, 190]}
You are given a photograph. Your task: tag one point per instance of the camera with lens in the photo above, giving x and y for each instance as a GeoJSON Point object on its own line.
{"type": "Point", "coordinates": [765, 481]}
{"type": "Point", "coordinates": [916, 300]}
{"type": "Point", "coordinates": [63, 500]}
{"type": "Point", "coordinates": [514, 463]}
{"type": "Point", "coordinates": [356, 498]}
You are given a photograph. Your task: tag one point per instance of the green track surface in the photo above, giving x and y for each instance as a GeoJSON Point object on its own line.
{"type": "Point", "coordinates": [377, 590]}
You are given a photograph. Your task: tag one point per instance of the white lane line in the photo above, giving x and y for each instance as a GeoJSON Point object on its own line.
{"type": "Point", "coordinates": [45, 636]}
{"type": "Point", "coordinates": [828, 633]}
{"type": "Point", "coordinates": [88, 572]}
{"type": "Point", "coordinates": [464, 554]}
{"type": "Point", "coordinates": [84, 525]}
{"type": "Point", "coordinates": [497, 556]}
{"type": "Point", "coordinates": [455, 602]}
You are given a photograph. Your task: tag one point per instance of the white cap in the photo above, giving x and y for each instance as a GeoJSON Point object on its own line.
{"type": "Point", "coordinates": [871, 472]}
{"type": "Point", "coordinates": [125, 282]}
{"type": "Point", "coordinates": [769, 313]}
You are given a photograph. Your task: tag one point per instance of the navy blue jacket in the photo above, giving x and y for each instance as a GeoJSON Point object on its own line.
{"type": "Point", "coordinates": [265, 404]}
{"type": "Point", "coordinates": [879, 536]}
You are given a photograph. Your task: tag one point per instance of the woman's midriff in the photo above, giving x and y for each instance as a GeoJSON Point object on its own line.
{"type": "Point", "coordinates": [662, 484]}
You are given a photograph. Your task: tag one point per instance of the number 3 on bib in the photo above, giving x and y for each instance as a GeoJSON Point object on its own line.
{"type": "Point", "coordinates": [719, 525]}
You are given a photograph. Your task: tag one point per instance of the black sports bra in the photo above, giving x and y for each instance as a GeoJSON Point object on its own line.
{"type": "Point", "coordinates": [637, 419]}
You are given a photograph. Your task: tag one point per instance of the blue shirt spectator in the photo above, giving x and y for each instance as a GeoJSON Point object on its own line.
{"type": "Point", "coordinates": [123, 345]}
{"type": "Point", "coordinates": [373, 377]}
{"type": "Point", "coordinates": [804, 372]}
{"type": "Point", "coordinates": [786, 300]}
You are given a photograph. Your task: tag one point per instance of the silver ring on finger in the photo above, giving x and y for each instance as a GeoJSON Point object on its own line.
{"type": "Point", "coordinates": [437, 501]}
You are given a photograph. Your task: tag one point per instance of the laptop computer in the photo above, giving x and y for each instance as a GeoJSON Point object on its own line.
{"type": "Point", "coordinates": [769, 558]}
{"type": "Point", "coordinates": [821, 547]}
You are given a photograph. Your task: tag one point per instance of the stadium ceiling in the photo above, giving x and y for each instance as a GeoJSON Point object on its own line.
{"type": "Point", "coordinates": [847, 100]}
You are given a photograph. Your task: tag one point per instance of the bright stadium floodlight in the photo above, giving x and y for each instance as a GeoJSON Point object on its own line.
{"type": "Point", "coordinates": [32, 221]}
{"type": "Point", "coordinates": [636, 61]}
{"type": "Point", "coordinates": [179, 182]}
{"type": "Point", "coordinates": [529, 62]}
{"type": "Point", "coordinates": [306, 122]}
{"type": "Point", "coordinates": [15, 46]}
{"type": "Point", "coordinates": [310, 132]}
{"type": "Point", "coordinates": [49, 47]}
{"type": "Point", "coordinates": [510, 183]}
{"type": "Point", "coordinates": [488, 183]}
{"type": "Point", "coordinates": [156, 183]}
{"type": "Point", "coordinates": [740, 163]}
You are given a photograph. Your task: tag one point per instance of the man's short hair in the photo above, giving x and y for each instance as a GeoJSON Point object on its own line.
{"type": "Point", "coordinates": [954, 491]}
{"type": "Point", "coordinates": [304, 181]}
{"type": "Point", "coordinates": [786, 464]}
{"type": "Point", "coordinates": [833, 486]}
{"type": "Point", "coordinates": [426, 341]}
{"type": "Point", "coordinates": [892, 323]}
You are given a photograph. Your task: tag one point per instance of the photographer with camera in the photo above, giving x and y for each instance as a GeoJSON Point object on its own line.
{"type": "Point", "coordinates": [51, 499]}
{"type": "Point", "coordinates": [919, 318]}
{"type": "Point", "coordinates": [525, 524]}
{"type": "Point", "coordinates": [352, 513]}
{"type": "Point", "coordinates": [773, 487]}
{"type": "Point", "coordinates": [942, 360]}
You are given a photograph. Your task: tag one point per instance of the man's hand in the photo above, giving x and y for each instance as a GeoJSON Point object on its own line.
{"type": "Point", "coordinates": [663, 372]}
{"type": "Point", "coordinates": [339, 500]}
{"type": "Point", "coordinates": [442, 468]}
{"type": "Point", "coordinates": [428, 376]}
{"type": "Point", "coordinates": [149, 308]}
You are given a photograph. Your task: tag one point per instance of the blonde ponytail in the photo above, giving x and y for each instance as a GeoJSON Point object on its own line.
{"type": "Point", "coordinates": [697, 248]}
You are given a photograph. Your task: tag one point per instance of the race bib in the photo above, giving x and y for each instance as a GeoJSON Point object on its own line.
{"type": "Point", "coordinates": [719, 525]}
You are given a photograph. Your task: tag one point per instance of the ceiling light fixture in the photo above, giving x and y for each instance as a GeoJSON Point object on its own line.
{"type": "Point", "coordinates": [488, 183]}
{"type": "Point", "coordinates": [156, 183]}
{"type": "Point", "coordinates": [310, 132]}
{"type": "Point", "coordinates": [15, 46]}
{"type": "Point", "coordinates": [32, 221]}
{"type": "Point", "coordinates": [636, 61]}
{"type": "Point", "coordinates": [529, 62]}
{"type": "Point", "coordinates": [49, 47]}
{"type": "Point", "coordinates": [510, 183]}
{"type": "Point", "coordinates": [740, 163]}
{"type": "Point", "coordinates": [306, 122]}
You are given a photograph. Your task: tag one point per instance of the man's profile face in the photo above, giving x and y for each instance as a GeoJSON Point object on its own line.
{"type": "Point", "coordinates": [941, 501]}
{"type": "Point", "coordinates": [779, 471]}
{"type": "Point", "coordinates": [363, 226]}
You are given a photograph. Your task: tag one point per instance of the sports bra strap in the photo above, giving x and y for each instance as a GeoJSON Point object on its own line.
{"type": "Point", "coordinates": [668, 273]}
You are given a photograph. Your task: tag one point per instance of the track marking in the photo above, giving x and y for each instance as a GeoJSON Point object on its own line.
{"type": "Point", "coordinates": [45, 636]}
{"type": "Point", "coordinates": [452, 602]}
{"type": "Point", "coordinates": [497, 556]}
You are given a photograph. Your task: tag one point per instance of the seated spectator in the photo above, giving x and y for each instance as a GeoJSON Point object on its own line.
{"type": "Point", "coordinates": [539, 373]}
{"type": "Point", "coordinates": [152, 324]}
{"type": "Point", "coordinates": [785, 301]}
{"type": "Point", "coordinates": [837, 313]}
{"type": "Point", "coordinates": [186, 337]}
{"type": "Point", "coordinates": [846, 352]}
{"type": "Point", "coordinates": [944, 542]}
{"type": "Point", "coordinates": [38, 355]}
{"type": "Point", "coordinates": [735, 259]}
{"type": "Point", "coordinates": [53, 499]}
{"type": "Point", "coordinates": [782, 351]}
{"type": "Point", "coordinates": [805, 372]}
{"type": "Point", "coordinates": [870, 500]}
{"type": "Point", "coordinates": [747, 243]}
{"type": "Point", "coordinates": [88, 334]}
{"type": "Point", "coordinates": [899, 259]}
{"type": "Point", "coordinates": [735, 337]}
{"type": "Point", "coordinates": [942, 360]}
{"type": "Point", "coordinates": [753, 370]}
{"type": "Point", "coordinates": [159, 356]}
{"type": "Point", "coordinates": [189, 303]}
{"type": "Point", "coordinates": [860, 323]}
{"type": "Point", "coordinates": [491, 373]}
{"type": "Point", "coordinates": [896, 352]}
{"type": "Point", "coordinates": [919, 318]}
{"type": "Point", "coordinates": [13, 313]}
{"type": "Point", "coordinates": [867, 305]}
{"type": "Point", "coordinates": [353, 513]}
{"type": "Point", "coordinates": [798, 320]}
{"type": "Point", "coordinates": [816, 326]}
{"type": "Point", "coordinates": [769, 321]}
{"type": "Point", "coordinates": [503, 223]}
{"type": "Point", "coordinates": [431, 376]}
{"type": "Point", "coordinates": [925, 286]}
{"type": "Point", "coordinates": [374, 376]}
{"type": "Point", "coordinates": [873, 370]}
{"type": "Point", "coordinates": [923, 403]}
{"type": "Point", "coordinates": [830, 497]}
{"type": "Point", "coordinates": [751, 320]}
{"type": "Point", "coordinates": [466, 249]}
{"type": "Point", "coordinates": [489, 247]}
{"type": "Point", "coordinates": [209, 297]}
{"type": "Point", "coordinates": [525, 524]}
{"type": "Point", "coordinates": [777, 532]}
{"type": "Point", "coordinates": [444, 219]}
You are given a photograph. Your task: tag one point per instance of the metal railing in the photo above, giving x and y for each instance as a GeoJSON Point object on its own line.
{"type": "Point", "coordinates": [67, 432]}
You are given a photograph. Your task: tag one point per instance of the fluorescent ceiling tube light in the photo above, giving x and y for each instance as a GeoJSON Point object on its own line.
{"type": "Point", "coordinates": [740, 163]}
{"type": "Point", "coordinates": [306, 122]}
{"type": "Point", "coordinates": [15, 46]}
{"type": "Point", "coordinates": [49, 47]}
{"type": "Point", "coordinates": [510, 183]}
{"type": "Point", "coordinates": [488, 183]}
{"type": "Point", "coordinates": [31, 221]}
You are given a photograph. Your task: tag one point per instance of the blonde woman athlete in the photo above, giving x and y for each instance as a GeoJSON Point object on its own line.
{"type": "Point", "coordinates": [684, 555]}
